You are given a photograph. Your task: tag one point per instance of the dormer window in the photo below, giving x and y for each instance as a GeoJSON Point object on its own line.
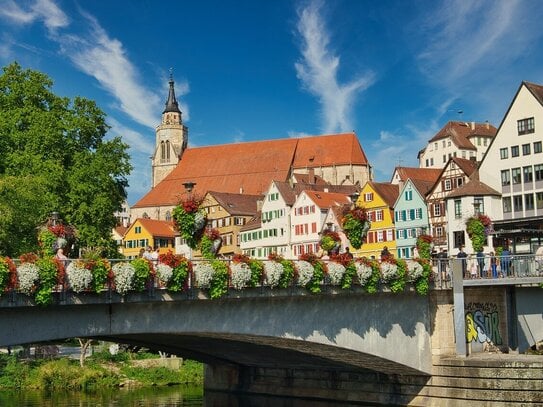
{"type": "Point", "coordinates": [526, 126]}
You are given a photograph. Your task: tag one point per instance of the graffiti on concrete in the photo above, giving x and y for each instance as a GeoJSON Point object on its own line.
{"type": "Point", "coordinates": [483, 323]}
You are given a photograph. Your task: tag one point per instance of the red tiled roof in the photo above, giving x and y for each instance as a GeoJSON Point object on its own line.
{"type": "Point", "coordinates": [326, 200]}
{"type": "Point", "coordinates": [460, 132]}
{"type": "Point", "coordinates": [159, 228]}
{"type": "Point", "coordinates": [423, 186]}
{"type": "Point", "coordinates": [249, 168]}
{"type": "Point", "coordinates": [423, 174]}
{"type": "Point", "coordinates": [537, 90]}
{"type": "Point", "coordinates": [473, 187]}
{"type": "Point", "coordinates": [121, 230]}
{"type": "Point", "coordinates": [389, 192]}
{"type": "Point", "coordinates": [237, 204]}
{"type": "Point", "coordinates": [466, 165]}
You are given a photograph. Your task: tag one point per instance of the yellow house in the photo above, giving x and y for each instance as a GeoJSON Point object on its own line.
{"type": "Point", "coordinates": [378, 199]}
{"type": "Point", "coordinates": [158, 234]}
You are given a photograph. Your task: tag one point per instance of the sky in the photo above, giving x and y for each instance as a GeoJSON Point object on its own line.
{"type": "Point", "coordinates": [393, 71]}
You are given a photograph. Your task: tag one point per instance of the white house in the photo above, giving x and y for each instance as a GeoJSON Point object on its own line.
{"type": "Point", "coordinates": [308, 217]}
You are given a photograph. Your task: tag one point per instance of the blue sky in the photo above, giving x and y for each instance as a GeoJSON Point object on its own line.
{"type": "Point", "coordinates": [393, 71]}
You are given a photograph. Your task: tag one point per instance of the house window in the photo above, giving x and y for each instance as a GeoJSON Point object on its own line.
{"type": "Point", "coordinates": [138, 229]}
{"type": "Point", "coordinates": [528, 176]}
{"type": "Point", "coordinates": [517, 203]}
{"type": "Point", "coordinates": [459, 181]}
{"type": "Point", "coordinates": [459, 238]}
{"type": "Point", "coordinates": [526, 149]}
{"type": "Point", "coordinates": [537, 147]}
{"type": "Point", "coordinates": [515, 175]}
{"type": "Point", "coordinates": [368, 197]}
{"type": "Point", "coordinates": [529, 202]}
{"type": "Point", "coordinates": [439, 231]}
{"type": "Point", "coordinates": [514, 151]}
{"type": "Point", "coordinates": [504, 153]}
{"type": "Point", "coordinates": [538, 170]}
{"type": "Point", "coordinates": [437, 210]}
{"type": "Point", "coordinates": [431, 161]}
{"type": "Point", "coordinates": [478, 205]}
{"type": "Point", "coordinates": [463, 154]}
{"type": "Point", "coordinates": [390, 235]}
{"type": "Point", "coordinates": [539, 200]}
{"type": "Point", "coordinates": [418, 213]}
{"type": "Point", "coordinates": [379, 215]}
{"type": "Point", "coordinates": [448, 185]}
{"type": "Point", "coordinates": [457, 208]}
{"type": "Point", "coordinates": [506, 203]}
{"type": "Point", "coordinates": [427, 164]}
{"type": "Point", "coordinates": [408, 195]}
{"type": "Point", "coordinates": [380, 236]}
{"type": "Point", "coordinates": [526, 126]}
{"type": "Point", "coordinates": [444, 158]}
{"type": "Point", "coordinates": [506, 178]}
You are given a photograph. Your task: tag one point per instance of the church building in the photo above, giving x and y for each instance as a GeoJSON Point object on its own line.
{"type": "Point", "coordinates": [241, 168]}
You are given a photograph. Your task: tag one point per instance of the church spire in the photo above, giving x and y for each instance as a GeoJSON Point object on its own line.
{"type": "Point", "coordinates": [171, 103]}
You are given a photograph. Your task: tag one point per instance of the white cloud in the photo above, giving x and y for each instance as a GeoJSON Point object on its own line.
{"type": "Point", "coordinates": [297, 134]}
{"type": "Point", "coordinates": [318, 70]}
{"type": "Point", "coordinates": [45, 10]}
{"type": "Point", "coordinates": [131, 137]}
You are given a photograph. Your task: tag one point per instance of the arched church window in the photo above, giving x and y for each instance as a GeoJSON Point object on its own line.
{"type": "Point", "coordinates": [168, 150]}
{"type": "Point", "coordinates": [162, 151]}
{"type": "Point", "coordinates": [168, 216]}
{"type": "Point", "coordinates": [145, 216]}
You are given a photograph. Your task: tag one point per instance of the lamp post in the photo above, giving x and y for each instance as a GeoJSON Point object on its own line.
{"type": "Point", "coordinates": [354, 197]}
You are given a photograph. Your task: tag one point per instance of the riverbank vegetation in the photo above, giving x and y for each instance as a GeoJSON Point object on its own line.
{"type": "Point", "coordinates": [101, 370]}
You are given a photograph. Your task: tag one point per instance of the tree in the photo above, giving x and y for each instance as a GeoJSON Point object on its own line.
{"type": "Point", "coordinates": [54, 157]}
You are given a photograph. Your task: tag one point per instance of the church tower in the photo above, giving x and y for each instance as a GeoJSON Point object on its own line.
{"type": "Point", "coordinates": [171, 138]}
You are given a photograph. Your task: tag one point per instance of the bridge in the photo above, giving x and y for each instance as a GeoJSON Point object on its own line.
{"type": "Point", "coordinates": [251, 332]}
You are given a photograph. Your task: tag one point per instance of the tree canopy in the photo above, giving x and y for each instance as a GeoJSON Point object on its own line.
{"type": "Point", "coordinates": [54, 157]}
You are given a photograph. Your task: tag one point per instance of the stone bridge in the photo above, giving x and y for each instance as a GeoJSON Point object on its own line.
{"type": "Point", "coordinates": [262, 327]}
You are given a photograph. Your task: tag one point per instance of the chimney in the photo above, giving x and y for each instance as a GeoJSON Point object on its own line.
{"type": "Point", "coordinates": [241, 190]}
{"type": "Point", "coordinates": [312, 179]}
{"type": "Point", "coordinates": [473, 125]}
{"type": "Point", "coordinates": [487, 124]}
{"type": "Point", "coordinates": [259, 203]}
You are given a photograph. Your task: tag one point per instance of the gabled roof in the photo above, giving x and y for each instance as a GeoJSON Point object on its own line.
{"type": "Point", "coordinates": [308, 179]}
{"type": "Point", "coordinates": [155, 227]}
{"type": "Point", "coordinates": [389, 192]}
{"type": "Point", "coordinates": [287, 192]}
{"type": "Point", "coordinates": [254, 223]}
{"type": "Point", "coordinates": [473, 187]}
{"type": "Point", "coordinates": [461, 132]}
{"type": "Point", "coordinates": [326, 200]}
{"type": "Point", "coordinates": [537, 90]}
{"type": "Point", "coordinates": [249, 168]}
{"type": "Point", "coordinates": [422, 186]}
{"type": "Point", "coordinates": [423, 174]}
{"type": "Point", "coordinates": [121, 230]}
{"type": "Point", "coordinates": [466, 165]}
{"type": "Point", "coordinates": [237, 204]}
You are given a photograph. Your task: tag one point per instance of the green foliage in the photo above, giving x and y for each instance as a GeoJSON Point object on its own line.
{"type": "Point", "coordinates": [179, 276]}
{"type": "Point", "coordinates": [219, 284]}
{"type": "Point", "coordinates": [48, 279]}
{"type": "Point", "coordinates": [288, 273]}
{"type": "Point", "coordinates": [476, 233]}
{"type": "Point", "coordinates": [192, 372]}
{"type": "Point", "coordinates": [372, 285]}
{"type": "Point", "coordinates": [315, 284]}
{"type": "Point", "coordinates": [100, 270]}
{"type": "Point", "coordinates": [257, 270]}
{"type": "Point", "coordinates": [397, 285]}
{"type": "Point", "coordinates": [142, 274]}
{"type": "Point", "coordinates": [46, 239]}
{"type": "Point", "coordinates": [55, 157]}
{"type": "Point", "coordinates": [355, 230]}
{"type": "Point", "coordinates": [327, 243]}
{"type": "Point", "coordinates": [348, 277]}
{"type": "Point", "coordinates": [5, 271]}
{"type": "Point", "coordinates": [206, 248]}
{"type": "Point", "coordinates": [422, 284]}
{"type": "Point", "coordinates": [186, 224]}
{"type": "Point", "coordinates": [12, 373]}
{"type": "Point", "coordinates": [424, 246]}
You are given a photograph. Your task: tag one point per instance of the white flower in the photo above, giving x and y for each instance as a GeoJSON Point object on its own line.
{"type": "Point", "coordinates": [124, 277]}
{"type": "Point", "coordinates": [336, 272]}
{"type": "Point", "coordinates": [241, 274]}
{"type": "Point", "coordinates": [164, 272]}
{"type": "Point", "coordinates": [273, 271]}
{"type": "Point", "coordinates": [389, 271]}
{"type": "Point", "coordinates": [203, 273]}
{"type": "Point", "coordinates": [364, 272]}
{"type": "Point", "coordinates": [79, 277]}
{"type": "Point", "coordinates": [27, 277]}
{"type": "Point", "coordinates": [305, 272]}
{"type": "Point", "coordinates": [414, 269]}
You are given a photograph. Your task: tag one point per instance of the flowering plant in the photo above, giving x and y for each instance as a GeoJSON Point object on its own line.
{"type": "Point", "coordinates": [241, 275]}
{"type": "Point", "coordinates": [420, 274]}
{"type": "Point", "coordinates": [210, 244]}
{"type": "Point", "coordinates": [389, 270]}
{"type": "Point", "coordinates": [54, 235]}
{"type": "Point", "coordinates": [190, 220]}
{"type": "Point", "coordinates": [256, 266]}
{"type": "Point", "coordinates": [317, 275]}
{"type": "Point", "coordinates": [478, 228]}
{"type": "Point", "coordinates": [414, 270]}
{"type": "Point", "coordinates": [203, 274]}
{"type": "Point", "coordinates": [305, 272]}
{"type": "Point", "coordinates": [51, 273]}
{"type": "Point", "coordinates": [364, 271]}
{"type": "Point", "coordinates": [143, 272]}
{"type": "Point", "coordinates": [393, 272]}
{"type": "Point", "coordinates": [356, 224]}
{"type": "Point", "coordinates": [288, 269]}
{"type": "Point", "coordinates": [273, 271]}
{"type": "Point", "coordinates": [164, 273]}
{"type": "Point", "coordinates": [101, 272]}
{"type": "Point", "coordinates": [336, 272]}
{"type": "Point", "coordinates": [180, 269]}
{"type": "Point", "coordinates": [79, 276]}
{"type": "Point", "coordinates": [212, 275]}
{"type": "Point", "coordinates": [28, 275]}
{"type": "Point", "coordinates": [123, 275]}
{"type": "Point", "coordinates": [8, 274]}
{"type": "Point", "coordinates": [424, 246]}
{"type": "Point", "coordinates": [329, 240]}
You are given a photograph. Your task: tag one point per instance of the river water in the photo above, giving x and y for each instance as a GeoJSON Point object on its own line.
{"type": "Point", "coordinates": [174, 396]}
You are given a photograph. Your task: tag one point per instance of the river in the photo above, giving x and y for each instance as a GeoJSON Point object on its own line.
{"type": "Point", "coordinates": [174, 396]}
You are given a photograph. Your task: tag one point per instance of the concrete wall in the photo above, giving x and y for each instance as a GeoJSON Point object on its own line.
{"type": "Point", "coordinates": [529, 307]}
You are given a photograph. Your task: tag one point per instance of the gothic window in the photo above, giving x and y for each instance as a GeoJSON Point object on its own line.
{"type": "Point", "coordinates": [162, 151]}
{"type": "Point", "coordinates": [168, 216]}
{"type": "Point", "coordinates": [168, 151]}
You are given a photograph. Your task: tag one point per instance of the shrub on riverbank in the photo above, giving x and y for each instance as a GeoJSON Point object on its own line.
{"type": "Point", "coordinates": [66, 374]}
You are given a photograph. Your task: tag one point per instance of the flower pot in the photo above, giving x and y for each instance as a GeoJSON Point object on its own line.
{"type": "Point", "coordinates": [199, 222]}
{"type": "Point", "coordinates": [217, 243]}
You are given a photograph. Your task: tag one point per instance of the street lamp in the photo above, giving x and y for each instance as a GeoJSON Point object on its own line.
{"type": "Point", "coordinates": [189, 186]}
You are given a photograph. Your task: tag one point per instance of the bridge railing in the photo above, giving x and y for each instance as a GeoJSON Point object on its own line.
{"type": "Point", "coordinates": [488, 268]}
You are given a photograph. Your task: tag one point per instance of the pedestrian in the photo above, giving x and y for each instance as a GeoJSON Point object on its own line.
{"type": "Point", "coordinates": [462, 256]}
{"type": "Point", "coordinates": [481, 262]}
{"type": "Point", "coordinates": [442, 265]}
{"type": "Point", "coordinates": [348, 253]}
{"type": "Point", "coordinates": [147, 254]}
{"type": "Point", "coordinates": [505, 262]}
{"type": "Point", "coordinates": [493, 265]}
{"type": "Point", "coordinates": [385, 254]}
{"type": "Point", "coordinates": [154, 256]}
{"type": "Point", "coordinates": [414, 252]}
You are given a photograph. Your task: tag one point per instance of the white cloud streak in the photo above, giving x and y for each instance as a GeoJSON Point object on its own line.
{"type": "Point", "coordinates": [318, 70]}
{"type": "Point", "coordinates": [44, 10]}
